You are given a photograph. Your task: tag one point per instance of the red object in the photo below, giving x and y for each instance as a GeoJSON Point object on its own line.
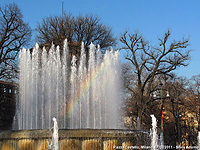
{"type": "Point", "coordinates": [161, 117]}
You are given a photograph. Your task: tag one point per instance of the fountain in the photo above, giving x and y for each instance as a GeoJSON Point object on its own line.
{"type": "Point", "coordinates": [84, 97]}
{"type": "Point", "coordinates": [156, 142]}
{"type": "Point", "coordinates": [55, 135]}
{"type": "Point", "coordinates": [79, 96]}
{"type": "Point", "coordinates": [154, 136]}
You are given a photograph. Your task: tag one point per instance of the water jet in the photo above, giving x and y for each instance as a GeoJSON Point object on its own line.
{"type": "Point", "coordinates": [84, 97]}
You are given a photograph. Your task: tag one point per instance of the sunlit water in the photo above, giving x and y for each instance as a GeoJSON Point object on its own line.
{"type": "Point", "coordinates": [55, 135]}
{"type": "Point", "coordinates": [78, 95]}
{"type": "Point", "coordinates": [153, 132]}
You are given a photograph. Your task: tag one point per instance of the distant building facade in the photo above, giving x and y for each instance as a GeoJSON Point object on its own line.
{"type": "Point", "coordinates": [8, 98]}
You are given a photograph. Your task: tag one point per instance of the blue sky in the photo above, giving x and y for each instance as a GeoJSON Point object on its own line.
{"type": "Point", "coordinates": [150, 17]}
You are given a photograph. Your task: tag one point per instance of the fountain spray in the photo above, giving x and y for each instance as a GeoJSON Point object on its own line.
{"type": "Point", "coordinates": [55, 134]}
{"type": "Point", "coordinates": [82, 94]}
{"type": "Point", "coordinates": [153, 132]}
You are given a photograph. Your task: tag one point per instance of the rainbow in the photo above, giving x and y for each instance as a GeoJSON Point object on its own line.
{"type": "Point", "coordinates": [83, 88]}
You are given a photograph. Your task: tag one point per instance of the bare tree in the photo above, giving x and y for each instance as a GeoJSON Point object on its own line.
{"type": "Point", "coordinates": [55, 29]}
{"type": "Point", "coordinates": [14, 33]}
{"type": "Point", "coordinates": [89, 29]}
{"type": "Point", "coordinates": [79, 29]}
{"type": "Point", "coordinates": [195, 96]}
{"type": "Point", "coordinates": [151, 61]}
{"type": "Point", "coordinates": [176, 109]}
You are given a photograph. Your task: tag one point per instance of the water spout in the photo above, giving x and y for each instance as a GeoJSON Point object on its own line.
{"type": "Point", "coordinates": [85, 94]}
{"type": "Point", "coordinates": [154, 136]}
{"type": "Point", "coordinates": [55, 135]}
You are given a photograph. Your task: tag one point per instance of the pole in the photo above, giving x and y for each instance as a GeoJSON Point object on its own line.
{"type": "Point", "coordinates": [179, 136]}
{"type": "Point", "coordinates": [185, 130]}
{"type": "Point", "coordinates": [179, 128]}
{"type": "Point", "coordinates": [161, 136]}
{"type": "Point", "coordinates": [62, 7]}
{"type": "Point", "coordinates": [199, 113]}
{"type": "Point", "coordinates": [161, 111]}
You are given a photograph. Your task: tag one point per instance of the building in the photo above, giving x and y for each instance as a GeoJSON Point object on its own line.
{"type": "Point", "coordinates": [8, 97]}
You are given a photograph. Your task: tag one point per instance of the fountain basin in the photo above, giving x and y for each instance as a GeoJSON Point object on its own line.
{"type": "Point", "coordinates": [75, 139]}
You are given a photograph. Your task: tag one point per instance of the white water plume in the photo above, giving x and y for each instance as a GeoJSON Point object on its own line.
{"type": "Point", "coordinates": [153, 132]}
{"type": "Point", "coordinates": [55, 135]}
{"type": "Point", "coordinates": [85, 94]}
